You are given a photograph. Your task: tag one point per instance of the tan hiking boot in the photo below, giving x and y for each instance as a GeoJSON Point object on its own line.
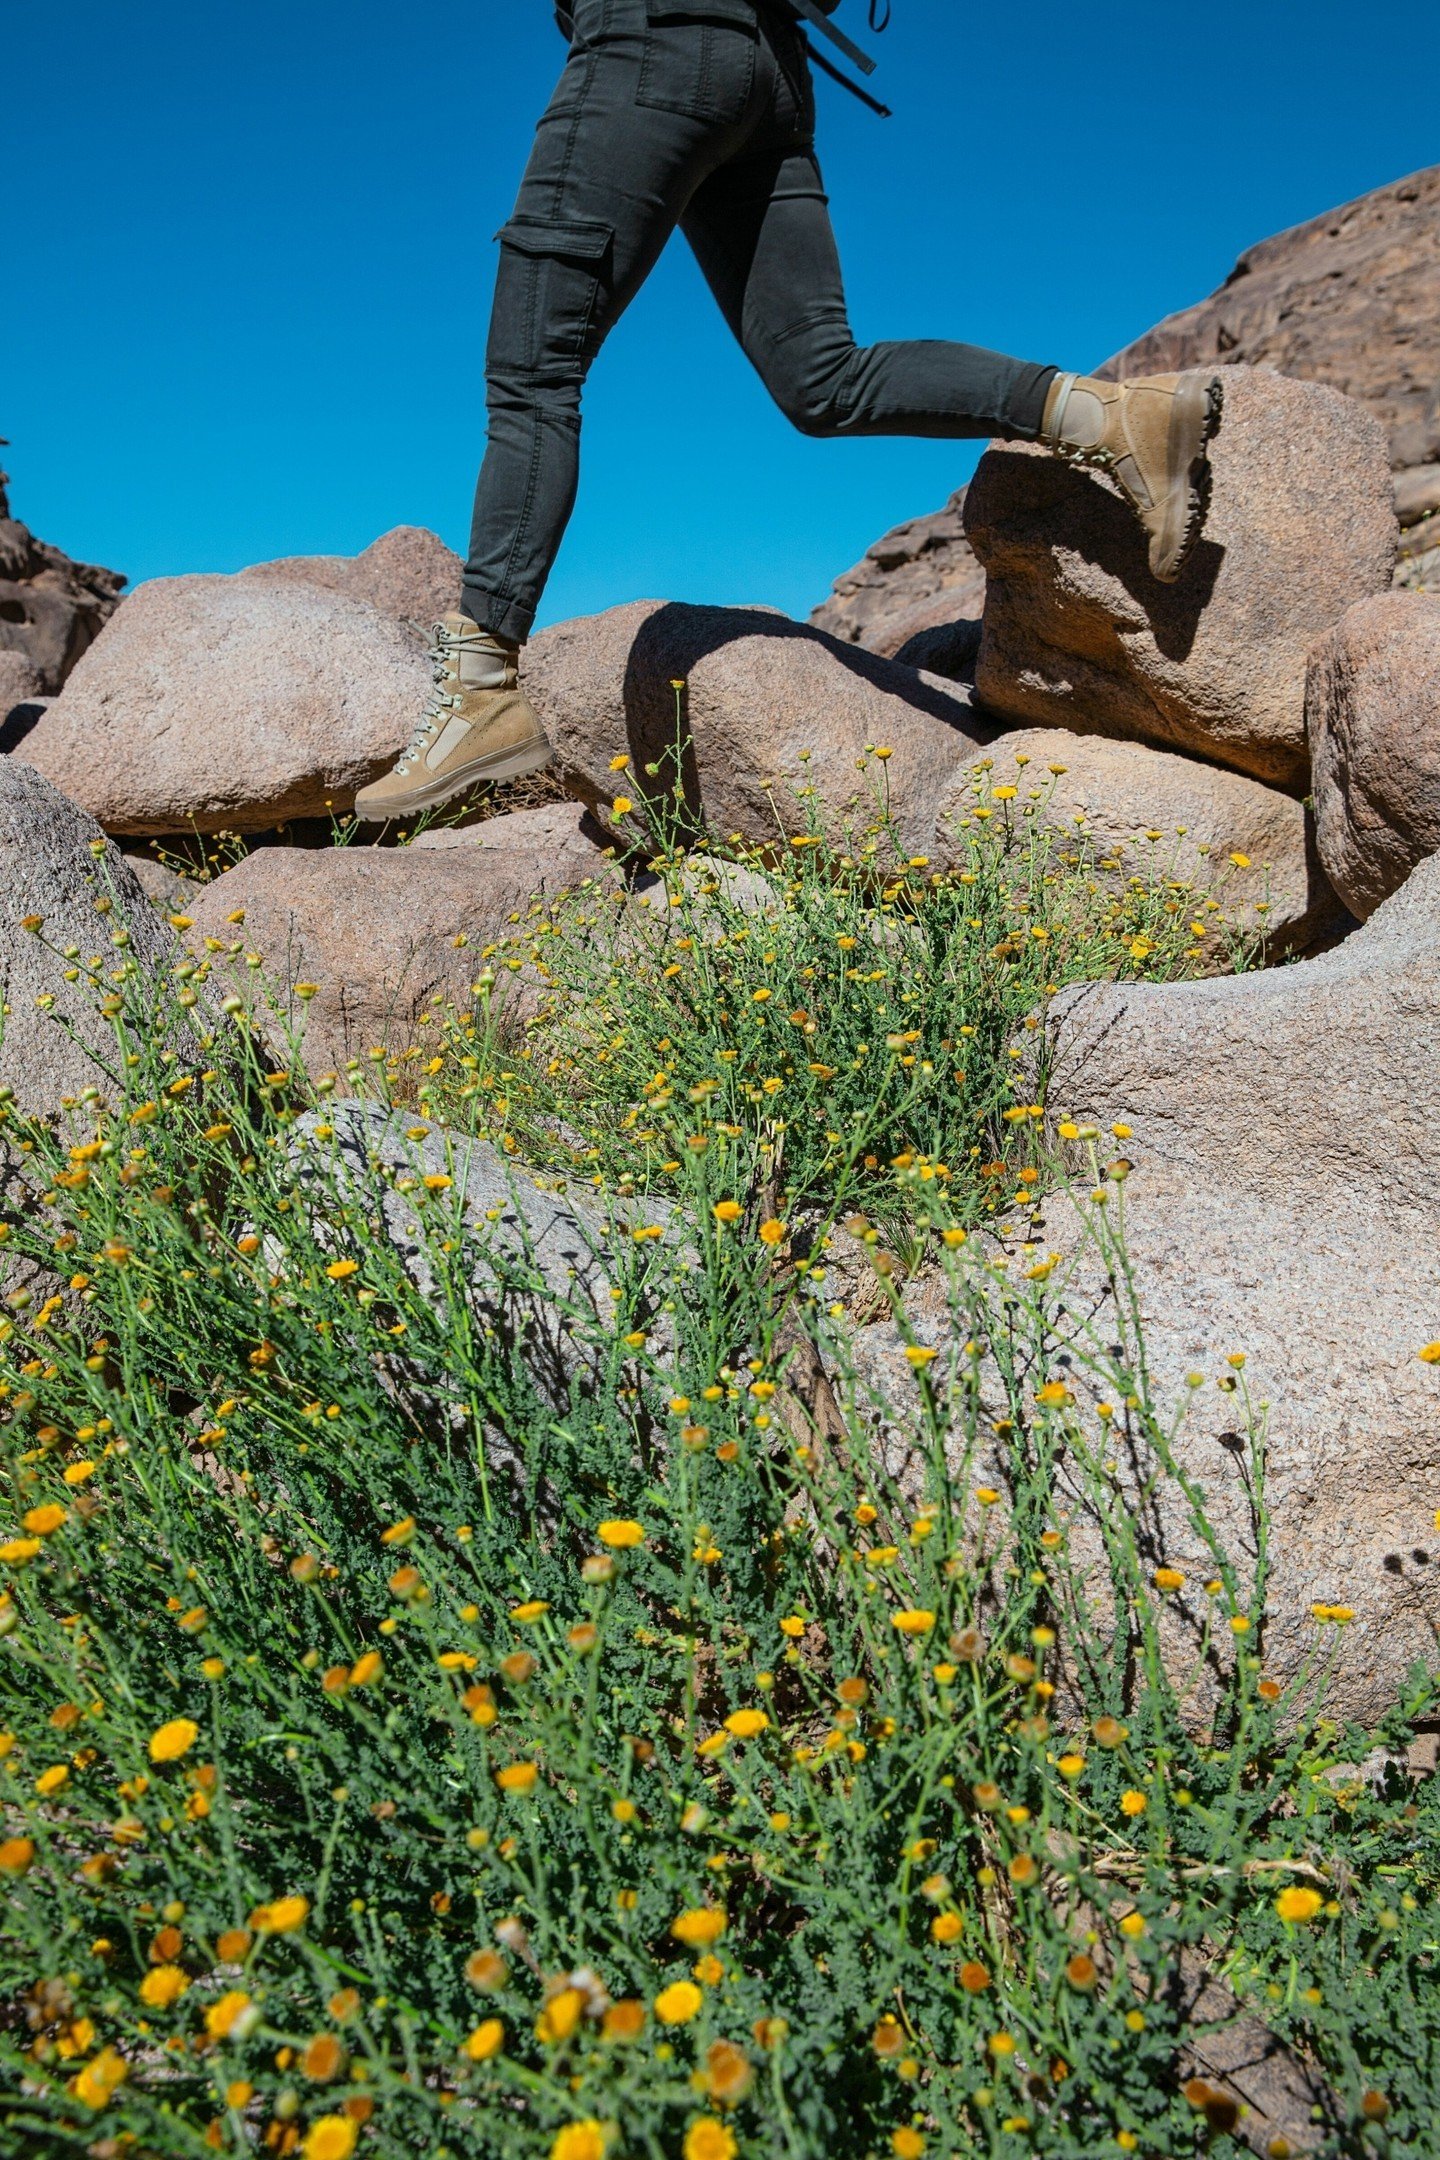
{"type": "Point", "coordinates": [478, 726]}
{"type": "Point", "coordinates": [1150, 435]}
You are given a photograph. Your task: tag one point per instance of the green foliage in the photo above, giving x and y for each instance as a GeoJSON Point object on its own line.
{"type": "Point", "coordinates": [796, 1017]}
{"type": "Point", "coordinates": [452, 1710]}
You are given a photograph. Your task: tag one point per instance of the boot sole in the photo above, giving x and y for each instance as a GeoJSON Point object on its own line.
{"type": "Point", "coordinates": [500, 765]}
{"type": "Point", "coordinates": [1199, 406]}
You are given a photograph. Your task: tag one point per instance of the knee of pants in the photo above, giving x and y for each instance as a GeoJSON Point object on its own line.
{"type": "Point", "coordinates": [551, 389]}
{"type": "Point", "coordinates": [812, 382]}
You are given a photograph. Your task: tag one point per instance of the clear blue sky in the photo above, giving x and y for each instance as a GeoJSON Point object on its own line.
{"type": "Point", "coordinates": [249, 256]}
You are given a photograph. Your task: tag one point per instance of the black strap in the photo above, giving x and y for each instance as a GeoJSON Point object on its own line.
{"type": "Point", "coordinates": [815, 14]}
{"type": "Point", "coordinates": [828, 67]}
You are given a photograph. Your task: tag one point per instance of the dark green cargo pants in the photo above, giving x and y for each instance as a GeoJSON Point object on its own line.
{"type": "Point", "coordinates": [698, 113]}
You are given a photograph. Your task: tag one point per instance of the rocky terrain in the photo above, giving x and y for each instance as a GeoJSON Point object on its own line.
{"type": "Point", "coordinates": [51, 610]}
{"type": "Point", "coordinates": [1351, 298]}
{"type": "Point", "coordinates": [1276, 710]}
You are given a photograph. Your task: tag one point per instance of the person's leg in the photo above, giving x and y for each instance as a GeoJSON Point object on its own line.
{"type": "Point", "coordinates": [760, 228]}
{"type": "Point", "coordinates": [761, 232]}
{"type": "Point", "coordinates": [641, 114]}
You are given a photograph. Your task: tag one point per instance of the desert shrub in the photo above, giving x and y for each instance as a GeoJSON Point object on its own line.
{"type": "Point", "coordinates": [407, 1749]}
{"type": "Point", "coordinates": [798, 1016]}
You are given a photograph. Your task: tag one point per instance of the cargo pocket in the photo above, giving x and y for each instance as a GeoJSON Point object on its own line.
{"type": "Point", "coordinates": [699, 60]}
{"type": "Point", "coordinates": [553, 275]}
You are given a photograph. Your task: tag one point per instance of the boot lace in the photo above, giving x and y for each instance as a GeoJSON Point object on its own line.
{"type": "Point", "coordinates": [445, 649]}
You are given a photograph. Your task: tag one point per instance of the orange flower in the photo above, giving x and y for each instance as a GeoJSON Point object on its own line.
{"type": "Point", "coordinates": [624, 2021]}
{"type": "Point", "coordinates": [323, 2058]}
{"type": "Point", "coordinates": [729, 2073]}
{"type": "Point", "coordinates": [487, 1971]}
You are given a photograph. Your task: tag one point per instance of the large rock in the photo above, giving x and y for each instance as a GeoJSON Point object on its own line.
{"type": "Point", "coordinates": [1078, 634]}
{"type": "Point", "coordinates": [1328, 1314]}
{"type": "Point", "coordinates": [214, 703]}
{"type": "Point", "coordinates": [768, 706]}
{"type": "Point", "coordinates": [386, 935]}
{"type": "Point", "coordinates": [1373, 713]}
{"type": "Point", "coordinates": [1308, 1089]}
{"type": "Point", "coordinates": [539, 1260]}
{"type": "Point", "coordinates": [20, 681]}
{"type": "Point", "coordinates": [1287, 1205]}
{"type": "Point", "coordinates": [1153, 814]}
{"type": "Point", "coordinates": [1284, 1205]}
{"type": "Point", "coordinates": [55, 864]}
{"type": "Point", "coordinates": [1351, 298]}
{"type": "Point", "coordinates": [408, 573]}
{"type": "Point", "coordinates": [924, 564]}
{"type": "Point", "coordinates": [1417, 568]}
{"type": "Point", "coordinates": [51, 608]}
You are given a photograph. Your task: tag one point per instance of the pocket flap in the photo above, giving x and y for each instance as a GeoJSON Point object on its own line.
{"type": "Point", "coordinates": [711, 11]}
{"type": "Point", "coordinates": [585, 237]}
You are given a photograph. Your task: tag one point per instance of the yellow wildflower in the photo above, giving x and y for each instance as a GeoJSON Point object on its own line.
{"type": "Point", "coordinates": [281, 1917]}
{"type": "Point", "coordinates": [678, 2003]}
{"type": "Point", "coordinates": [173, 1739]}
{"type": "Point", "coordinates": [584, 2140]}
{"type": "Point", "coordinates": [560, 2016]}
{"type": "Point", "coordinates": [746, 1724]}
{"type": "Point", "coordinates": [330, 2137]}
{"type": "Point", "coordinates": [227, 2014]}
{"type": "Point", "coordinates": [487, 2039]}
{"type": "Point", "coordinates": [96, 2084]}
{"type": "Point", "coordinates": [621, 1533]}
{"type": "Point", "coordinates": [710, 2139]}
{"type": "Point", "coordinates": [698, 1928]}
{"type": "Point", "coordinates": [163, 1985]}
